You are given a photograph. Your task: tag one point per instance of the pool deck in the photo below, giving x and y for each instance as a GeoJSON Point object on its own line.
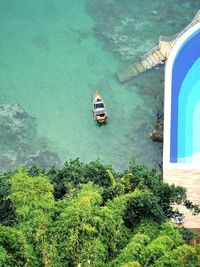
{"type": "Point", "coordinates": [189, 179]}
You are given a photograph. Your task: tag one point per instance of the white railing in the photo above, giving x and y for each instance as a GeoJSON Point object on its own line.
{"type": "Point", "coordinates": [168, 38]}
{"type": "Point", "coordinates": [197, 17]}
{"type": "Point", "coordinates": [161, 38]}
{"type": "Point", "coordinates": [173, 37]}
{"type": "Point", "coordinates": [194, 22]}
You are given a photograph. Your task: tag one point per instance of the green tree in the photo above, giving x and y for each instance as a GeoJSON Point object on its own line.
{"type": "Point", "coordinates": [132, 251]}
{"type": "Point", "coordinates": [14, 248]}
{"type": "Point", "coordinates": [75, 173]}
{"type": "Point", "coordinates": [183, 256]}
{"type": "Point", "coordinates": [131, 264]}
{"type": "Point", "coordinates": [138, 176]}
{"type": "Point", "coordinates": [7, 216]}
{"type": "Point", "coordinates": [78, 226]}
{"type": "Point", "coordinates": [4, 258]}
{"type": "Point", "coordinates": [98, 218]}
{"type": "Point", "coordinates": [144, 205]}
{"type": "Point", "coordinates": [87, 231]}
{"type": "Point", "coordinates": [34, 203]}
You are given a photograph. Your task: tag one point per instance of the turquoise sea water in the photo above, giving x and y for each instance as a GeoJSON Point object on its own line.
{"type": "Point", "coordinates": [52, 63]}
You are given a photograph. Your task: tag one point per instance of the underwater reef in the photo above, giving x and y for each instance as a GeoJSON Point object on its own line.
{"type": "Point", "coordinates": [129, 29]}
{"type": "Point", "coordinates": [18, 140]}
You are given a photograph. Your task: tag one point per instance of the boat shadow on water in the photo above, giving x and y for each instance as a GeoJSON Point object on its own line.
{"type": "Point", "coordinates": [100, 124]}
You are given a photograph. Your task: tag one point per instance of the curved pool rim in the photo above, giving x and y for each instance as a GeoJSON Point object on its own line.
{"type": "Point", "coordinates": [181, 42]}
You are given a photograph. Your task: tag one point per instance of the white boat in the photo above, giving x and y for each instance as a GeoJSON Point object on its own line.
{"type": "Point", "coordinates": [99, 109]}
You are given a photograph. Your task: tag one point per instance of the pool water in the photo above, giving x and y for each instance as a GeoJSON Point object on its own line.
{"type": "Point", "coordinates": [185, 144]}
{"type": "Point", "coordinates": [189, 144]}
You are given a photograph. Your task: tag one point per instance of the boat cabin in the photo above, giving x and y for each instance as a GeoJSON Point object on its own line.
{"type": "Point", "coordinates": [99, 109]}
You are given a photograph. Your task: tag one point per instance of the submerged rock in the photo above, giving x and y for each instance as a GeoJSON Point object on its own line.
{"type": "Point", "coordinates": [19, 141]}
{"type": "Point", "coordinates": [17, 128]}
{"type": "Point", "coordinates": [131, 28]}
{"type": "Point", "coordinates": [157, 134]}
{"type": "Point", "coordinates": [7, 162]}
{"type": "Point", "coordinates": [43, 158]}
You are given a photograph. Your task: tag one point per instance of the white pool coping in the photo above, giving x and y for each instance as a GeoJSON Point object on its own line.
{"type": "Point", "coordinates": [167, 103]}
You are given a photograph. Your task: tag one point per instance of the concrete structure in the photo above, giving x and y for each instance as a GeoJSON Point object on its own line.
{"type": "Point", "coordinates": [181, 153]}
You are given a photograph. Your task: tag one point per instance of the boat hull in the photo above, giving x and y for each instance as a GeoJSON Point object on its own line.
{"type": "Point", "coordinates": [99, 114]}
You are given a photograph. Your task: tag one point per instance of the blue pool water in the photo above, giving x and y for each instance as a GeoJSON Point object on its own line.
{"type": "Point", "coordinates": [185, 126]}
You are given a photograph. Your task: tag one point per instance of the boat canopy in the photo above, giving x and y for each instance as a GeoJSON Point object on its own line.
{"type": "Point", "coordinates": [98, 104]}
{"type": "Point", "coordinates": [100, 111]}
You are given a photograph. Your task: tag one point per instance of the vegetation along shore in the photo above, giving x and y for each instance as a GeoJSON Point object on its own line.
{"type": "Point", "coordinates": [87, 214]}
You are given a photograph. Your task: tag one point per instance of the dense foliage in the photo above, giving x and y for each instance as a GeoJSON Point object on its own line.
{"type": "Point", "coordinates": [89, 215]}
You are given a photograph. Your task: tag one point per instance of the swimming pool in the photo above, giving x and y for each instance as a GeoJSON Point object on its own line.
{"type": "Point", "coordinates": [182, 100]}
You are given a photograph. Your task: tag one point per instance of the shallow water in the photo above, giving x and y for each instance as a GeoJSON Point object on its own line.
{"type": "Point", "coordinates": [52, 63]}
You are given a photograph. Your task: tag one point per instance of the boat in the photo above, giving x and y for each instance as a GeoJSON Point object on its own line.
{"type": "Point", "coordinates": [99, 109]}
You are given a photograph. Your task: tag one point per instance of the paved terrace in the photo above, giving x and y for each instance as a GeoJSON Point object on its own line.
{"type": "Point", "coordinates": [189, 179]}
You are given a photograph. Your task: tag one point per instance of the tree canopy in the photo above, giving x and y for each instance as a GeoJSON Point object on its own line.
{"type": "Point", "coordinates": [90, 215]}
